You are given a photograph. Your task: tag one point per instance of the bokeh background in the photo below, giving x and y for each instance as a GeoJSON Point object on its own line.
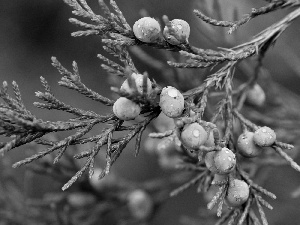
{"type": "Point", "coordinates": [32, 31]}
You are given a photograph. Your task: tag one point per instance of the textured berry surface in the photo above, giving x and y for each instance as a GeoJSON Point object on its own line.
{"type": "Point", "coordinates": [256, 95]}
{"type": "Point", "coordinates": [193, 136]}
{"type": "Point", "coordinates": [209, 161]}
{"type": "Point", "coordinates": [126, 109]}
{"type": "Point", "coordinates": [225, 161]}
{"type": "Point", "coordinates": [246, 145]}
{"type": "Point", "coordinates": [140, 204]}
{"type": "Point", "coordinates": [237, 193]}
{"type": "Point", "coordinates": [181, 32]}
{"type": "Point", "coordinates": [147, 29]}
{"type": "Point", "coordinates": [138, 79]}
{"type": "Point", "coordinates": [171, 102]}
{"type": "Point", "coordinates": [264, 136]}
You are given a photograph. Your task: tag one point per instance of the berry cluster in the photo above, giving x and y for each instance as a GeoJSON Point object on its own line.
{"type": "Point", "coordinates": [203, 140]}
{"type": "Point", "coordinates": [126, 109]}
{"type": "Point", "coordinates": [175, 32]}
{"type": "Point", "coordinates": [250, 144]}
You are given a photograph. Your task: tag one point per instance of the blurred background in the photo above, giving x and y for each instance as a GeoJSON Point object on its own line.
{"type": "Point", "coordinates": [32, 31]}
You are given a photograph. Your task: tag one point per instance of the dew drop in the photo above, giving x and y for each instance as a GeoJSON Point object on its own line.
{"type": "Point", "coordinates": [172, 93]}
{"type": "Point", "coordinates": [229, 158]}
{"type": "Point", "coordinates": [139, 26]}
{"type": "Point", "coordinates": [264, 130]}
{"type": "Point", "coordinates": [196, 133]}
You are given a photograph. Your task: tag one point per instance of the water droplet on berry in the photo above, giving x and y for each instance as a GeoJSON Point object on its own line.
{"type": "Point", "coordinates": [196, 133]}
{"type": "Point", "coordinates": [172, 93]}
{"type": "Point", "coordinates": [264, 130]}
{"type": "Point", "coordinates": [139, 26]}
{"type": "Point", "coordinates": [229, 158]}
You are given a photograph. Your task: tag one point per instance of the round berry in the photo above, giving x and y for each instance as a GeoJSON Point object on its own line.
{"type": "Point", "coordinates": [126, 109]}
{"type": "Point", "coordinates": [179, 34]}
{"type": "Point", "coordinates": [210, 162]}
{"type": "Point", "coordinates": [264, 136]}
{"type": "Point", "coordinates": [140, 204]}
{"type": "Point", "coordinates": [193, 136]}
{"type": "Point", "coordinates": [225, 161]}
{"type": "Point", "coordinates": [171, 102]}
{"type": "Point", "coordinates": [246, 145]}
{"type": "Point", "coordinates": [256, 95]}
{"type": "Point", "coordinates": [146, 29]}
{"type": "Point", "coordinates": [237, 193]}
{"type": "Point", "coordinates": [139, 80]}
